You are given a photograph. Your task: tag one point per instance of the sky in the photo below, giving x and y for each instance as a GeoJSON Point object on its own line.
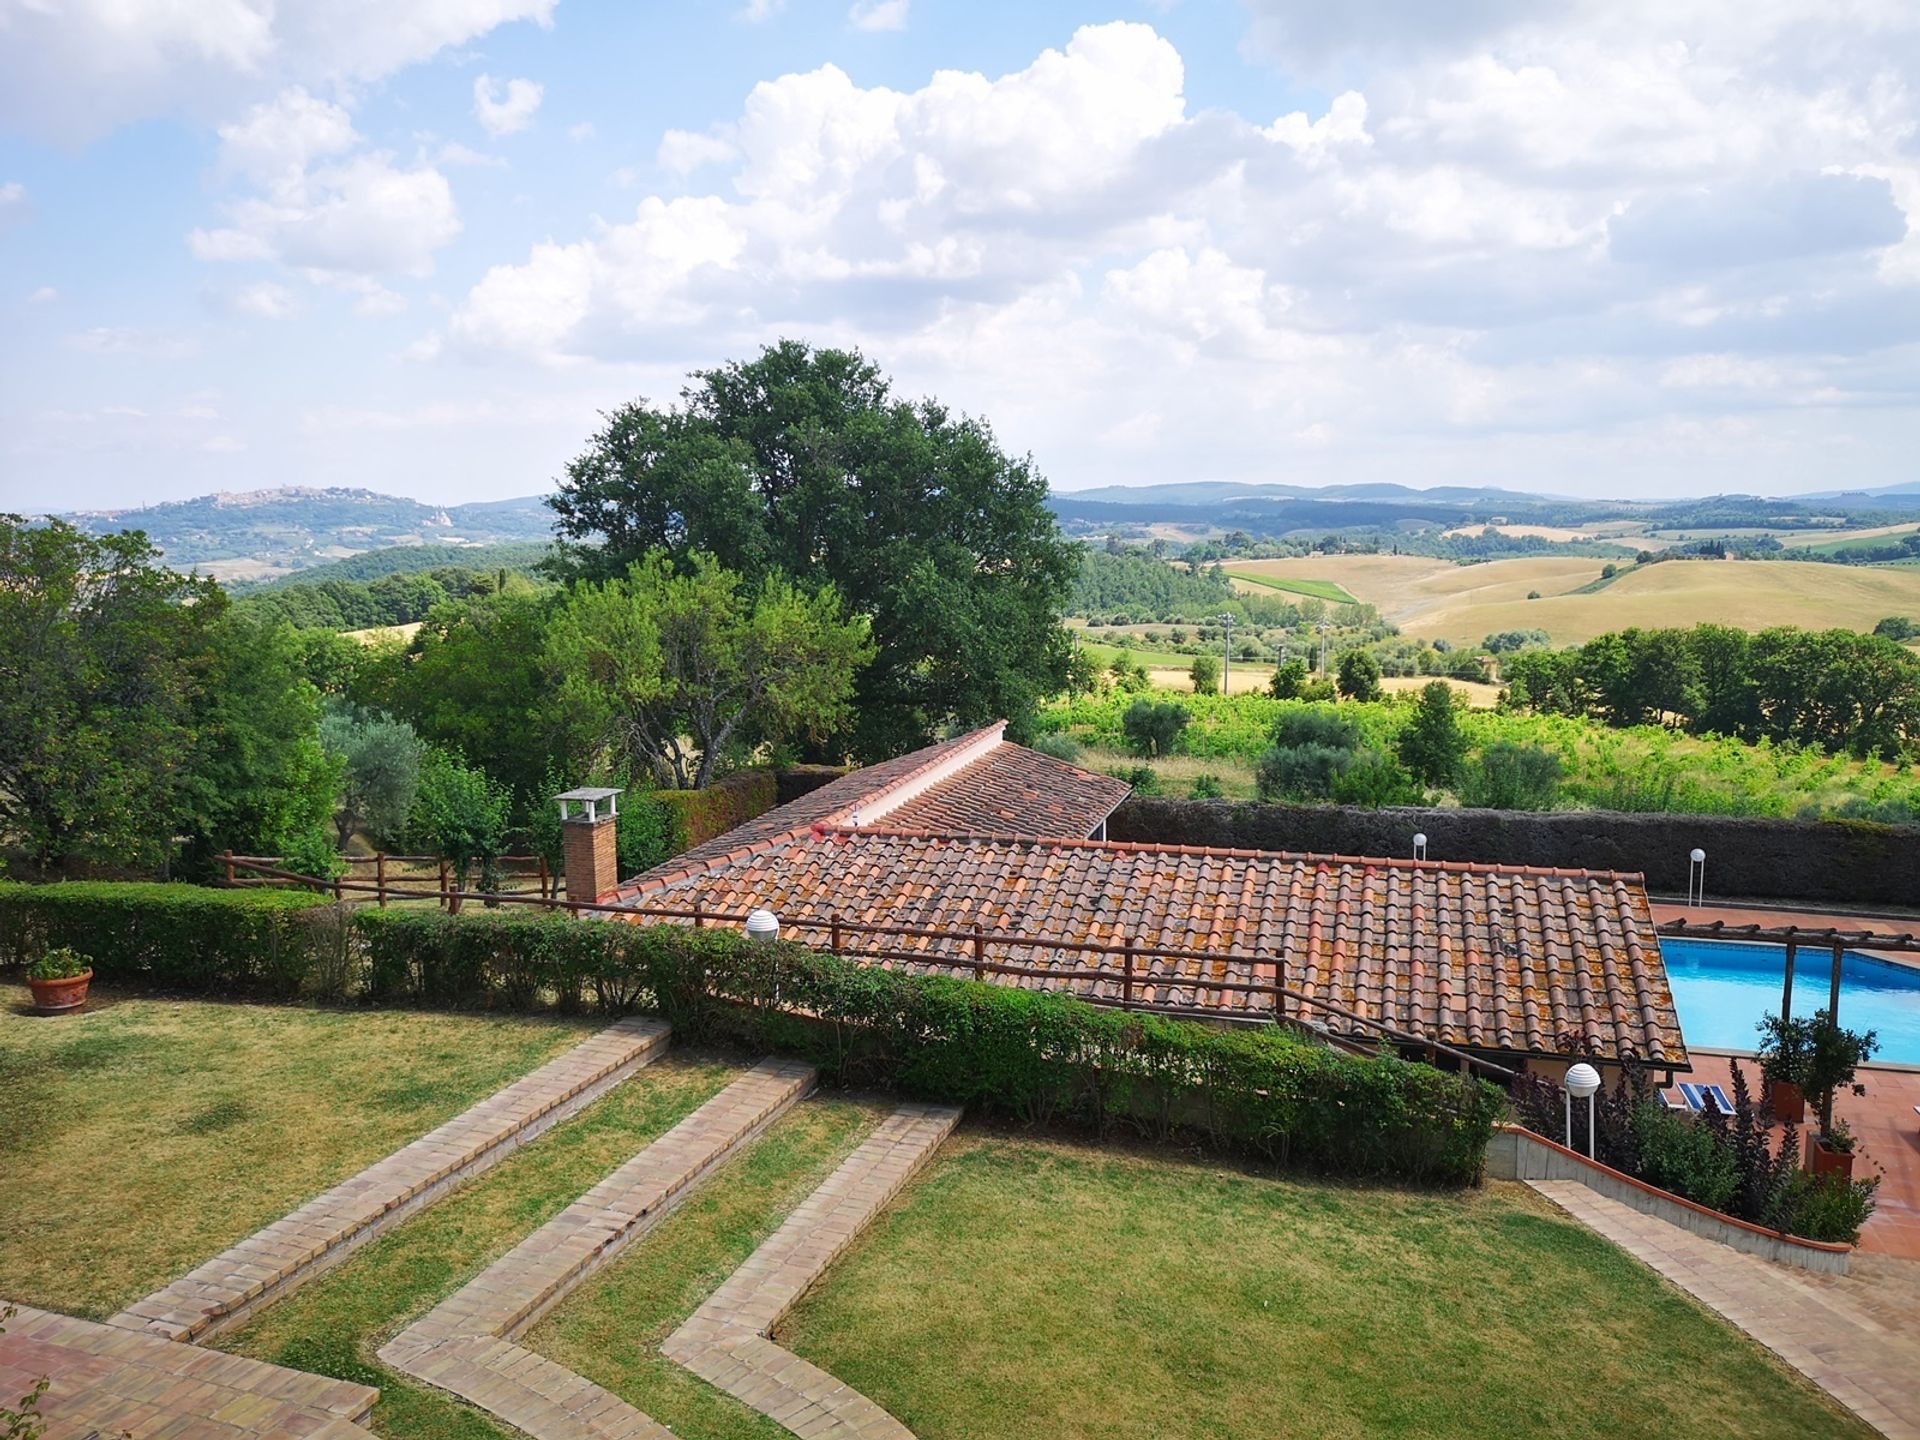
{"type": "Point", "coordinates": [1614, 248]}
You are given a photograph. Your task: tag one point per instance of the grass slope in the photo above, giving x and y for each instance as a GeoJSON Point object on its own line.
{"type": "Point", "coordinates": [1024, 1288]}
{"type": "Point", "coordinates": [1318, 589]}
{"type": "Point", "coordinates": [143, 1136]}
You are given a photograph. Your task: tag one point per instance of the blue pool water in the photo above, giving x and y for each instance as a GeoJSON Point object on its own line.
{"type": "Point", "coordinates": [1722, 988]}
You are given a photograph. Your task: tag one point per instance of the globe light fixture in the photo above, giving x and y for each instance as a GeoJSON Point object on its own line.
{"type": "Point", "coordinates": [1583, 1080]}
{"type": "Point", "coordinates": [762, 925]}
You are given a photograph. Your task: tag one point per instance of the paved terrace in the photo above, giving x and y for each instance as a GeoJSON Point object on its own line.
{"type": "Point", "coordinates": [107, 1380]}
{"type": "Point", "coordinates": [1883, 1119]}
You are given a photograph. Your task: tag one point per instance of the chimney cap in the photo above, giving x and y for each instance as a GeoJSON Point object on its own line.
{"type": "Point", "coordinates": [590, 798]}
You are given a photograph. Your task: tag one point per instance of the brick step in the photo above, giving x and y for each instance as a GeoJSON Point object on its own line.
{"type": "Point", "coordinates": [269, 1264]}
{"type": "Point", "coordinates": [464, 1344]}
{"type": "Point", "coordinates": [106, 1379]}
{"type": "Point", "coordinates": [727, 1341]}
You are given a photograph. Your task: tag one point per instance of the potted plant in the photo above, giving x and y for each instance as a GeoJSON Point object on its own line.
{"type": "Point", "coordinates": [1831, 1152]}
{"type": "Point", "coordinates": [1835, 1055]}
{"type": "Point", "coordinates": [1786, 1046]}
{"type": "Point", "coordinates": [59, 981]}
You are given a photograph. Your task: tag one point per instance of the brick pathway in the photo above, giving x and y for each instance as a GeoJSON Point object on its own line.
{"type": "Point", "coordinates": [106, 1380]}
{"type": "Point", "coordinates": [1856, 1336]}
{"type": "Point", "coordinates": [726, 1341]}
{"type": "Point", "coordinates": [465, 1343]}
{"type": "Point", "coordinates": [325, 1230]}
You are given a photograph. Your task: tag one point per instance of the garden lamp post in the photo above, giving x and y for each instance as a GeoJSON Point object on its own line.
{"type": "Point", "coordinates": [1583, 1080]}
{"type": "Point", "coordinates": [1696, 877]}
{"type": "Point", "coordinates": [1420, 846]}
{"type": "Point", "coordinates": [762, 925]}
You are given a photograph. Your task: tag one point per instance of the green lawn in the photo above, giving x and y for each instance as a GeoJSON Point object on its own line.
{"type": "Point", "coordinates": [1025, 1288]}
{"type": "Point", "coordinates": [143, 1136]}
{"type": "Point", "coordinates": [1329, 590]}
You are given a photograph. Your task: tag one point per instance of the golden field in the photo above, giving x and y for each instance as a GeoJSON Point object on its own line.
{"type": "Point", "coordinates": [1437, 600]}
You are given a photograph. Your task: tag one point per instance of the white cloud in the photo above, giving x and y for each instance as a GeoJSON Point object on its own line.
{"type": "Point", "coordinates": [1511, 245]}
{"type": "Point", "coordinates": [127, 340]}
{"type": "Point", "coordinates": [266, 301]}
{"type": "Point", "coordinates": [582, 132]}
{"type": "Point", "coordinates": [44, 295]}
{"type": "Point", "coordinates": [454, 153]}
{"type": "Point", "coordinates": [76, 70]}
{"type": "Point", "coordinates": [878, 14]}
{"type": "Point", "coordinates": [682, 152]}
{"type": "Point", "coordinates": [508, 110]}
{"type": "Point", "coordinates": [321, 204]}
{"type": "Point", "coordinates": [756, 12]}
{"type": "Point", "coordinates": [13, 202]}
{"type": "Point", "coordinates": [365, 215]}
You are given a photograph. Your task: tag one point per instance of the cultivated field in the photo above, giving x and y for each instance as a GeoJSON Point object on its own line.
{"type": "Point", "coordinates": [1434, 599]}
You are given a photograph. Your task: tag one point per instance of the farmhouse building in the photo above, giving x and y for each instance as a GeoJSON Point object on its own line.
{"type": "Point", "coordinates": [998, 853]}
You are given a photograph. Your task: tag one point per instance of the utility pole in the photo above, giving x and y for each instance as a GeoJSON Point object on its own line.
{"type": "Point", "coordinates": [1226, 656]}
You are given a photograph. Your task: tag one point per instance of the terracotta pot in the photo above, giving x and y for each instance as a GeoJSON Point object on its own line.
{"type": "Point", "coordinates": [1789, 1106]}
{"type": "Point", "coordinates": [54, 997]}
{"type": "Point", "coordinates": [1823, 1159]}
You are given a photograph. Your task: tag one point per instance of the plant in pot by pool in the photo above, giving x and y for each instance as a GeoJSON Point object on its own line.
{"type": "Point", "coordinates": [1836, 1054]}
{"type": "Point", "coordinates": [59, 981]}
{"type": "Point", "coordinates": [1786, 1048]}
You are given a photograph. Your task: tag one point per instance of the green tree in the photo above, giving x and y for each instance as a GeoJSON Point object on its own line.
{"type": "Point", "coordinates": [1896, 627]}
{"type": "Point", "coordinates": [1432, 745]}
{"type": "Point", "coordinates": [803, 461]}
{"type": "Point", "coordinates": [1358, 675]}
{"type": "Point", "coordinates": [1152, 726]}
{"type": "Point", "coordinates": [673, 671]}
{"type": "Point", "coordinates": [1506, 776]}
{"type": "Point", "coordinates": [460, 814]}
{"type": "Point", "coordinates": [1082, 674]}
{"type": "Point", "coordinates": [103, 653]}
{"type": "Point", "coordinates": [260, 781]}
{"type": "Point", "coordinates": [380, 759]}
{"type": "Point", "coordinates": [1289, 680]}
{"type": "Point", "coordinates": [1205, 674]}
{"type": "Point", "coordinates": [473, 681]}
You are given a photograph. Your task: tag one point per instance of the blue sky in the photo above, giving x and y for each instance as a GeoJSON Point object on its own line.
{"type": "Point", "coordinates": [1623, 248]}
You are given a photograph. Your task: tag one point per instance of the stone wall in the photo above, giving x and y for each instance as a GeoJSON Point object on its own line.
{"type": "Point", "coordinates": [1845, 861]}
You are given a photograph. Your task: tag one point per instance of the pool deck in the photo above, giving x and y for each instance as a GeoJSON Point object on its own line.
{"type": "Point", "coordinates": [1883, 1119]}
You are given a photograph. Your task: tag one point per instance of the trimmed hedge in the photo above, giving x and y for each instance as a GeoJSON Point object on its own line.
{"type": "Point", "coordinates": [700, 815]}
{"type": "Point", "coordinates": [178, 937]}
{"type": "Point", "coordinates": [1017, 1053]}
{"type": "Point", "coordinates": [1029, 1056]}
{"type": "Point", "coordinates": [1843, 860]}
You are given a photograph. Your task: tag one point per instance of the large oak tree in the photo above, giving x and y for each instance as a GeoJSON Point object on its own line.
{"type": "Point", "coordinates": [803, 461]}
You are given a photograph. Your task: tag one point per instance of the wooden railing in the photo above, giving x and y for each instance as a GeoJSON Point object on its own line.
{"type": "Point", "coordinates": [386, 882]}
{"type": "Point", "coordinates": [1128, 984]}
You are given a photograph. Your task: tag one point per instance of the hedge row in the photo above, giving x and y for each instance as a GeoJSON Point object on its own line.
{"type": "Point", "coordinates": [1028, 1056]}
{"type": "Point", "coordinates": [179, 937]}
{"type": "Point", "coordinates": [700, 815]}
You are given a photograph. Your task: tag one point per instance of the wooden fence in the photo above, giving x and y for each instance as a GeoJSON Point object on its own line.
{"type": "Point", "coordinates": [1128, 976]}
{"type": "Point", "coordinates": [524, 876]}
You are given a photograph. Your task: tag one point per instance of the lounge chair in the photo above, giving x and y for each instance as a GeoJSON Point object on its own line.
{"type": "Point", "coordinates": [1696, 1097]}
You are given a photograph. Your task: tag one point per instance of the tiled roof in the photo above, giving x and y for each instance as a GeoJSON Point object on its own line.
{"type": "Point", "coordinates": [1005, 787]}
{"type": "Point", "coordinates": [1015, 791]}
{"type": "Point", "coordinates": [1486, 957]}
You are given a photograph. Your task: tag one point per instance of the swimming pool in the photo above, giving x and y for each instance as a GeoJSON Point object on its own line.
{"type": "Point", "coordinates": [1722, 987]}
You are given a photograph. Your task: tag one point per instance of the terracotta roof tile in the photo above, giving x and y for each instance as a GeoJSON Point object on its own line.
{"type": "Point", "coordinates": [1487, 957]}
{"type": "Point", "coordinates": [1015, 789]}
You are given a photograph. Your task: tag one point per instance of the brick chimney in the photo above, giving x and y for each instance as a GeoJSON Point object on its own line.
{"type": "Point", "coordinates": [586, 842]}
